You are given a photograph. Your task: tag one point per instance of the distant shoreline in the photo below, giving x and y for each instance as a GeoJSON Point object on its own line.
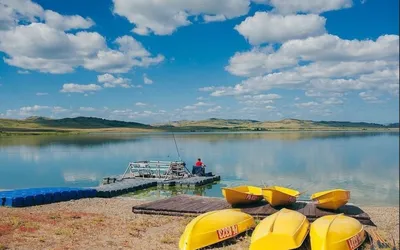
{"type": "Point", "coordinates": [60, 132]}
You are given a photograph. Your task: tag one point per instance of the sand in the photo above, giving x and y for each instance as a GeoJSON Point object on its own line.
{"type": "Point", "coordinates": [110, 224]}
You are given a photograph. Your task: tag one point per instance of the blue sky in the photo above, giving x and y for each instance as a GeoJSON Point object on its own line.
{"type": "Point", "coordinates": [153, 61]}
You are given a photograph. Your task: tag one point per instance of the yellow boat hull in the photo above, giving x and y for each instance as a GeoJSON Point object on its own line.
{"type": "Point", "coordinates": [285, 229]}
{"type": "Point", "coordinates": [331, 199]}
{"type": "Point", "coordinates": [337, 232]}
{"type": "Point", "coordinates": [242, 194]}
{"type": "Point", "coordinates": [280, 196]}
{"type": "Point", "coordinates": [213, 227]}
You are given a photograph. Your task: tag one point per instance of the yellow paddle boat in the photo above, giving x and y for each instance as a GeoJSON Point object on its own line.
{"type": "Point", "coordinates": [215, 226]}
{"type": "Point", "coordinates": [279, 196]}
{"type": "Point", "coordinates": [242, 194]}
{"type": "Point", "coordinates": [282, 230]}
{"type": "Point", "coordinates": [337, 232]}
{"type": "Point", "coordinates": [331, 199]}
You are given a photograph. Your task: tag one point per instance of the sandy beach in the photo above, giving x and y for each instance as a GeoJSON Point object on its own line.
{"type": "Point", "coordinates": [110, 224]}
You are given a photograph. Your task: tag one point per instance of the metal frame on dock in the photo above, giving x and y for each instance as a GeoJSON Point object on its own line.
{"type": "Point", "coordinates": [167, 170]}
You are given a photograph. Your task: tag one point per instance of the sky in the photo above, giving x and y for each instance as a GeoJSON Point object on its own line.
{"type": "Point", "coordinates": [155, 61]}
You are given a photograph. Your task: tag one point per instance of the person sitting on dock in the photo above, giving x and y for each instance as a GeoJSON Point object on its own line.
{"type": "Point", "coordinates": [199, 163]}
{"type": "Point", "coordinates": [198, 168]}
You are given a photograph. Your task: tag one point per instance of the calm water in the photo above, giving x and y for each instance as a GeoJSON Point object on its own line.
{"type": "Point", "coordinates": [367, 164]}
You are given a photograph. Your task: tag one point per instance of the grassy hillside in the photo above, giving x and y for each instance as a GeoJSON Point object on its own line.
{"type": "Point", "coordinates": [286, 124]}
{"type": "Point", "coordinates": [78, 124]}
{"type": "Point", "coordinates": [93, 124]}
{"type": "Point", "coordinates": [86, 122]}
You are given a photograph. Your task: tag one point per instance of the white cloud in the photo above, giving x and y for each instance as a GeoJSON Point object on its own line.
{"type": "Point", "coordinates": [269, 107]}
{"type": "Point", "coordinates": [333, 67]}
{"type": "Point", "coordinates": [214, 18]}
{"type": "Point", "coordinates": [164, 17]}
{"type": "Point", "coordinates": [213, 109]}
{"type": "Point", "coordinates": [297, 98]}
{"type": "Point", "coordinates": [386, 80]}
{"type": "Point", "coordinates": [332, 101]}
{"type": "Point", "coordinates": [319, 93]}
{"type": "Point", "coordinates": [255, 100]}
{"type": "Point", "coordinates": [369, 97]}
{"type": "Point", "coordinates": [307, 104]}
{"type": "Point", "coordinates": [39, 47]}
{"type": "Point", "coordinates": [130, 114]}
{"type": "Point", "coordinates": [344, 69]}
{"type": "Point", "coordinates": [333, 57]}
{"type": "Point", "coordinates": [109, 81]}
{"type": "Point", "coordinates": [79, 88]}
{"type": "Point", "coordinates": [14, 11]}
{"type": "Point", "coordinates": [57, 21]}
{"type": "Point", "coordinates": [258, 61]}
{"type": "Point", "coordinates": [332, 48]}
{"type": "Point", "coordinates": [266, 27]}
{"type": "Point", "coordinates": [189, 107]}
{"type": "Point", "coordinates": [87, 109]}
{"type": "Point", "coordinates": [42, 44]}
{"type": "Point", "coordinates": [41, 93]}
{"type": "Point", "coordinates": [131, 53]}
{"type": "Point", "coordinates": [147, 80]}
{"type": "Point", "coordinates": [199, 104]}
{"type": "Point", "coordinates": [23, 72]}
{"type": "Point", "coordinates": [140, 104]}
{"type": "Point", "coordinates": [34, 108]}
{"type": "Point", "coordinates": [206, 89]}
{"type": "Point", "coordinates": [303, 6]}
{"type": "Point", "coordinates": [58, 109]}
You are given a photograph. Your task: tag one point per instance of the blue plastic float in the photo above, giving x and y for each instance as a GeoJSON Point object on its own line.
{"type": "Point", "coordinates": [38, 196]}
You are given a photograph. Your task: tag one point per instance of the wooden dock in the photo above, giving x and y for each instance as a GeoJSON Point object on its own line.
{"type": "Point", "coordinates": [182, 205]}
{"type": "Point", "coordinates": [117, 187]}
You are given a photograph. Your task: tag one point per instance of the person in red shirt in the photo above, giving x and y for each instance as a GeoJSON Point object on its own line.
{"type": "Point", "coordinates": [199, 163]}
{"type": "Point", "coordinates": [198, 168]}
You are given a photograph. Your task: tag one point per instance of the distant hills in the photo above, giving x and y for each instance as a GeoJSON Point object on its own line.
{"type": "Point", "coordinates": [85, 122]}
{"type": "Point", "coordinates": [290, 124]}
{"type": "Point", "coordinates": [94, 124]}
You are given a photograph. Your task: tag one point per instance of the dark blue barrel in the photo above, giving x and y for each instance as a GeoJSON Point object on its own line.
{"type": "Point", "coordinates": [12, 201]}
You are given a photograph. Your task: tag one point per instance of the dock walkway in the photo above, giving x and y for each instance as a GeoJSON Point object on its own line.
{"type": "Point", "coordinates": [182, 205]}
{"type": "Point", "coordinates": [120, 187]}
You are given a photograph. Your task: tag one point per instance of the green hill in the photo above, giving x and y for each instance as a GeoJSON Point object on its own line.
{"type": "Point", "coordinates": [86, 123]}
{"type": "Point", "coordinates": [77, 124]}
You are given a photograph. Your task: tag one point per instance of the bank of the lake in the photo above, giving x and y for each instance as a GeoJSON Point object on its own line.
{"type": "Point", "coordinates": [110, 224]}
{"type": "Point", "coordinates": [64, 132]}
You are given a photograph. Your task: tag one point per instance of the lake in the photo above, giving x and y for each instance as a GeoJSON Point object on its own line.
{"type": "Point", "coordinates": [366, 163]}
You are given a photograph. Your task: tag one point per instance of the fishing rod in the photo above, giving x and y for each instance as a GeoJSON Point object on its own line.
{"type": "Point", "coordinates": [176, 145]}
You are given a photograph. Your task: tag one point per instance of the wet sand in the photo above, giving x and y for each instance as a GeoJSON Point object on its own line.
{"type": "Point", "coordinates": [110, 224]}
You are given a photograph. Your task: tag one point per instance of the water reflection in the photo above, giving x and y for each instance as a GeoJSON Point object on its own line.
{"type": "Point", "coordinates": [365, 163]}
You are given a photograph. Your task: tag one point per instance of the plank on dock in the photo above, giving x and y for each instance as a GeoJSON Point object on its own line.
{"type": "Point", "coordinates": [193, 205]}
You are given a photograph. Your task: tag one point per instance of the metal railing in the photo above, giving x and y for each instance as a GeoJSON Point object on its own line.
{"type": "Point", "coordinates": [166, 170]}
